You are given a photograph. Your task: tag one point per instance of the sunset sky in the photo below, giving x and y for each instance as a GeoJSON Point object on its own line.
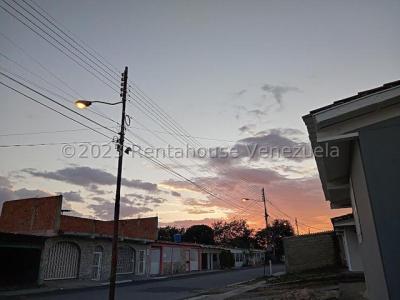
{"type": "Point", "coordinates": [232, 73]}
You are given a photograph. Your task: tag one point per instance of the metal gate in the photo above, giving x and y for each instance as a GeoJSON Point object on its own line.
{"type": "Point", "coordinates": [126, 259]}
{"type": "Point", "coordinates": [63, 261]}
{"type": "Point", "coordinates": [155, 256]}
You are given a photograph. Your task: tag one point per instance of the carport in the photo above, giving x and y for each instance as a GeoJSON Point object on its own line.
{"type": "Point", "coordinates": [19, 259]}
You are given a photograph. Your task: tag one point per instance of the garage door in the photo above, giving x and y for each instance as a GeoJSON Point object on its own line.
{"type": "Point", "coordinates": [155, 261]}
{"type": "Point", "coordinates": [63, 261]}
{"type": "Point", "coordinates": [126, 260]}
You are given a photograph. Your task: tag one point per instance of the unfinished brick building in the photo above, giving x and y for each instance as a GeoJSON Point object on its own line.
{"type": "Point", "coordinates": [58, 246]}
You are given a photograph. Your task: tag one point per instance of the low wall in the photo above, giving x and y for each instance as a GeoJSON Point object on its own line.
{"type": "Point", "coordinates": [311, 251]}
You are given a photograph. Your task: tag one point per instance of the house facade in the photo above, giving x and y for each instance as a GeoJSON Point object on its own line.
{"type": "Point", "coordinates": [168, 258]}
{"type": "Point", "coordinates": [73, 247]}
{"type": "Point", "coordinates": [361, 173]}
{"type": "Point", "coordinates": [349, 247]}
{"type": "Point", "coordinates": [38, 244]}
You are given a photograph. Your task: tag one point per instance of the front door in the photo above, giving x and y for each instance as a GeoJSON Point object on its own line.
{"type": "Point", "coordinates": [96, 268]}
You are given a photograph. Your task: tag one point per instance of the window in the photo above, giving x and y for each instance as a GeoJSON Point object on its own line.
{"type": "Point", "coordinates": [97, 260]}
{"type": "Point", "coordinates": [125, 260]}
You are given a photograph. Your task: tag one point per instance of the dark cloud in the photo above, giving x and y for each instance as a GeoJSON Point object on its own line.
{"type": "Point", "coordinates": [8, 193]}
{"type": "Point", "coordinates": [72, 196]}
{"type": "Point", "coordinates": [26, 193]}
{"type": "Point", "coordinates": [258, 113]}
{"type": "Point", "coordinates": [241, 92]}
{"type": "Point", "coordinates": [246, 128]}
{"type": "Point", "coordinates": [105, 209]}
{"type": "Point", "coordinates": [95, 189]}
{"type": "Point", "coordinates": [98, 199]}
{"type": "Point", "coordinates": [175, 194]}
{"type": "Point", "coordinates": [90, 177]}
{"type": "Point", "coordinates": [273, 144]}
{"type": "Point", "coordinates": [144, 199]}
{"type": "Point", "coordinates": [278, 91]}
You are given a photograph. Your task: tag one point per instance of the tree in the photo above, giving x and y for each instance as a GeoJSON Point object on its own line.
{"type": "Point", "coordinates": [167, 233]}
{"type": "Point", "coordinates": [236, 233]}
{"type": "Point", "coordinates": [274, 234]}
{"type": "Point", "coordinates": [201, 234]}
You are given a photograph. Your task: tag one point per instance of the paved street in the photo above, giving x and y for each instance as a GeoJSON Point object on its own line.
{"type": "Point", "coordinates": [176, 288]}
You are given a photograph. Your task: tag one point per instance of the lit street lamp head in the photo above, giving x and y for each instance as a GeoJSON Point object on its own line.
{"type": "Point", "coordinates": [82, 104]}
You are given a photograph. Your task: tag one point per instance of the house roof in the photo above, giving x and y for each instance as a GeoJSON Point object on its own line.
{"type": "Point", "coordinates": [337, 126]}
{"type": "Point", "coordinates": [358, 95]}
{"type": "Point", "coordinates": [342, 218]}
{"type": "Point", "coordinates": [345, 220]}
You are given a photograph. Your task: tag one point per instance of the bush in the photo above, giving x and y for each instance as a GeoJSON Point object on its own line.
{"type": "Point", "coordinates": [226, 259]}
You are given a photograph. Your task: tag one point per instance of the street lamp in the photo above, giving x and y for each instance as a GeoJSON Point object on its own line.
{"type": "Point", "coordinates": [82, 104]}
{"type": "Point", "coordinates": [266, 221]}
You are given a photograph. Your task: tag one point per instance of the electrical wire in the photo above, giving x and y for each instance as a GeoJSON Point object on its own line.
{"type": "Point", "coordinates": [49, 144]}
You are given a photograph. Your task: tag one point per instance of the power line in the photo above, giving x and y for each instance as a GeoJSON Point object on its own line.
{"type": "Point", "coordinates": [71, 36]}
{"type": "Point", "coordinates": [49, 144]}
{"type": "Point", "coordinates": [51, 43]}
{"type": "Point", "coordinates": [55, 101]}
{"type": "Point", "coordinates": [47, 19]}
{"type": "Point", "coordinates": [155, 161]}
{"type": "Point", "coordinates": [58, 35]}
{"type": "Point", "coordinates": [154, 105]}
{"type": "Point", "coordinates": [49, 107]}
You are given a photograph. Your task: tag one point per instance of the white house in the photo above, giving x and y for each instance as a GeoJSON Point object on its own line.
{"type": "Point", "coordinates": [356, 143]}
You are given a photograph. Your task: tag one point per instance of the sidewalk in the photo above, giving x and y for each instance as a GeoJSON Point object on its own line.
{"type": "Point", "coordinates": [76, 284]}
{"type": "Point", "coordinates": [317, 286]}
{"type": "Point", "coordinates": [234, 290]}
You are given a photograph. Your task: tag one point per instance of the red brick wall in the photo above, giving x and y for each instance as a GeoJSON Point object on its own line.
{"type": "Point", "coordinates": [145, 228]}
{"type": "Point", "coordinates": [31, 216]}
{"type": "Point", "coordinates": [42, 216]}
{"type": "Point", "coordinates": [76, 224]}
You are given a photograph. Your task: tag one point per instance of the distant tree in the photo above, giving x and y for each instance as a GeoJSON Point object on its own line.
{"type": "Point", "coordinates": [201, 234]}
{"type": "Point", "coordinates": [167, 233]}
{"type": "Point", "coordinates": [274, 233]}
{"type": "Point", "coordinates": [236, 233]}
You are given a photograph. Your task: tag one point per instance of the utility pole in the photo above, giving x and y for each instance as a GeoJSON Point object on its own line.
{"type": "Point", "coordinates": [297, 226]}
{"type": "Point", "coordinates": [120, 150]}
{"type": "Point", "coordinates": [266, 227]}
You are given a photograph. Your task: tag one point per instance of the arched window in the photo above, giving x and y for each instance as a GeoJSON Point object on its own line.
{"type": "Point", "coordinates": [62, 261]}
{"type": "Point", "coordinates": [126, 260]}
